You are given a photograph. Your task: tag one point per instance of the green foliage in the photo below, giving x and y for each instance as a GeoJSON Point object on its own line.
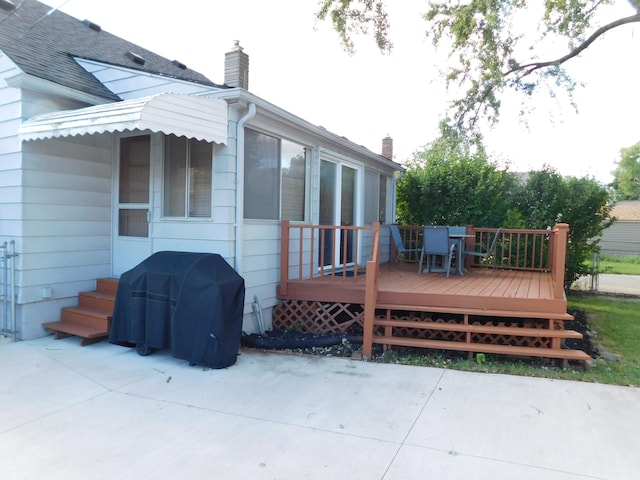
{"type": "Point", "coordinates": [548, 198]}
{"type": "Point", "coordinates": [493, 45]}
{"type": "Point", "coordinates": [514, 219]}
{"type": "Point", "coordinates": [350, 17]}
{"type": "Point", "coordinates": [617, 326]}
{"type": "Point", "coordinates": [629, 265]}
{"type": "Point", "coordinates": [453, 182]}
{"type": "Point", "coordinates": [626, 181]}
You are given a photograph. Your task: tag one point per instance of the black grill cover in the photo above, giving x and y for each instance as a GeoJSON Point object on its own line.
{"type": "Point", "coordinates": [190, 303]}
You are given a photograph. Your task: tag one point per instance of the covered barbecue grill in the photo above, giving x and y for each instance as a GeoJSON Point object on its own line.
{"type": "Point", "coordinates": [190, 303]}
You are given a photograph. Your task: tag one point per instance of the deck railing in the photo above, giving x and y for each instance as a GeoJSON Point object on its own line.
{"type": "Point", "coordinates": [371, 288]}
{"type": "Point", "coordinates": [516, 249]}
{"type": "Point", "coordinates": [308, 251]}
{"type": "Point", "coordinates": [325, 252]}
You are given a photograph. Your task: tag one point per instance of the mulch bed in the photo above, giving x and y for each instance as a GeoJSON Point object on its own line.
{"type": "Point", "coordinates": [349, 345]}
{"type": "Point", "coordinates": [580, 324]}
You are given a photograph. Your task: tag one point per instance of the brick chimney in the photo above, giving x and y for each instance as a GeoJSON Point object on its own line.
{"type": "Point", "coordinates": [387, 147]}
{"type": "Point", "coordinates": [236, 67]}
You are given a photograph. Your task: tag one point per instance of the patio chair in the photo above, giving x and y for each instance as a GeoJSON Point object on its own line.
{"type": "Point", "coordinates": [401, 249]}
{"type": "Point", "coordinates": [435, 243]}
{"type": "Point", "coordinates": [459, 241]}
{"type": "Point", "coordinates": [486, 253]}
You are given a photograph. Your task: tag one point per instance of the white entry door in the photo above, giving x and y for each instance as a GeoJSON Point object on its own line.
{"type": "Point", "coordinates": [131, 242]}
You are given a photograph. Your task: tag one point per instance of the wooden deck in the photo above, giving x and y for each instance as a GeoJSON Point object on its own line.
{"type": "Point", "coordinates": [480, 289]}
{"type": "Point", "coordinates": [500, 309]}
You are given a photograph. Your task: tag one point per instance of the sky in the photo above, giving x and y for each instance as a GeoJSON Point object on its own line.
{"type": "Point", "coordinates": [298, 64]}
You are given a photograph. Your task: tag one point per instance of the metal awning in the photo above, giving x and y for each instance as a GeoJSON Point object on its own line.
{"type": "Point", "coordinates": [182, 115]}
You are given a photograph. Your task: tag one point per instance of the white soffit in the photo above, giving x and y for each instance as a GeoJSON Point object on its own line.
{"type": "Point", "coordinates": [182, 115]}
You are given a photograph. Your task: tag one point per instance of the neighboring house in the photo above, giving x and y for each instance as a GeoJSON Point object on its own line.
{"type": "Point", "coordinates": [622, 239]}
{"type": "Point", "coordinates": [109, 153]}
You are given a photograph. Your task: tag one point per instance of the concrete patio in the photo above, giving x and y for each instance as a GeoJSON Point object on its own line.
{"type": "Point", "coordinates": [103, 412]}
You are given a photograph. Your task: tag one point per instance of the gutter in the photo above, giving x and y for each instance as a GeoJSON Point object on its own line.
{"type": "Point", "coordinates": [277, 114]}
{"type": "Point", "coordinates": [239, 225]}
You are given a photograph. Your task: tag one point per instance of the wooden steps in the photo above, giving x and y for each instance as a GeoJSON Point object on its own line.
{"type": "Point", "coordinates": [91, 319]}
{"type": "Point", "coordinates": [478, 337]}
{"type": "Point", "coordinates": [484, 312]}
{"type": "Point", "coordinates": [454, 327]}
{"type": "Point", "coordinates": [560, 353]}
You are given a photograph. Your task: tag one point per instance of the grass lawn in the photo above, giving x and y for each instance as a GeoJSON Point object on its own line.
{"type": "Point", "coordinates": [620, 265]}
{"type": "Point", "coordinates": [616, 322]}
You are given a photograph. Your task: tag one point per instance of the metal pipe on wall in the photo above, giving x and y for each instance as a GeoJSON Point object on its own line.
{"type": "Point", "coordinates": [5, 281]}
{"type": "Point", "coordinates": [9, 297]}
{"type": "Point", "coordinates": [13, 287]}
{"type": "Point", "coordinates": [239, 225]}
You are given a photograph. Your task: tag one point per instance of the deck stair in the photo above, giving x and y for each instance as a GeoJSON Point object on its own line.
{"type": "Point", "coordinates": [91, 319]}
{"type": "Point", "coordinates": [471, 335]}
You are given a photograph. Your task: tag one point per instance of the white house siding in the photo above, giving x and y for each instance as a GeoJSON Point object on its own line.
{"type": "Point", "coordinates": [10, 155]}
{"type": "Point", "coordinates": [192, 236]}
{"type": "Point", "coordinates": [261, 239]}
{"type": "Point", "coordinates": [65, 241]}
{"type": "Point", "coordinates": [35, 103]}
{"type": "Point", "coordinates": [261, 269]}
{"type": "Point", "coordinates": [622, 239]}
{"type": "Point", "coordinates": [10, 163]}
{"type": "Point", "coordinates": [128, 84]}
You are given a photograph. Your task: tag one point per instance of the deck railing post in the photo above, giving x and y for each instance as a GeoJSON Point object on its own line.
{"type": "Point", "coordinates": [559, 251]}
{"type": "Point", "coordinates": [371, 293]}
{"type": "Point", "coordinates": [284, 257]}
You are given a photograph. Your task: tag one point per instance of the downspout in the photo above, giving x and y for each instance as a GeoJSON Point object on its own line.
{"type": "Point", "coordinates": [239, 226]}
{"type": "Point", "coordinates": [13, 287]}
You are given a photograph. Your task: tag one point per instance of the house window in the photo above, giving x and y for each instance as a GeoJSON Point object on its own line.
{"type": "Point", "coordinates": [375, 191]}
{"type": "Point", "coordinates": [294, 180]}
{"type": "Point", "coordinates": [275, 178]}
{"type": "Point", "coordinates": [187, 177]}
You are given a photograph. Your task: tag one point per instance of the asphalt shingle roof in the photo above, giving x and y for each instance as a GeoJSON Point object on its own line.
{"type": "Point", "coordinates": [43, 44]}
{"type": "Point", "coordinates": [627, 211]}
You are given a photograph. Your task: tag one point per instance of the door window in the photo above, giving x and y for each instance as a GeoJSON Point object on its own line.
{"type": "Point", "coordinates": [133, 193]}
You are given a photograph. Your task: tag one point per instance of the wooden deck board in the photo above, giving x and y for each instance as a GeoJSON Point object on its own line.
{"type": "Point", "coordinates": [479, 288]}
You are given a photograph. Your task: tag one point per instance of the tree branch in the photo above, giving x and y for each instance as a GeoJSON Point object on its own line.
{"type": "Point", "coordinates": [532, 67]}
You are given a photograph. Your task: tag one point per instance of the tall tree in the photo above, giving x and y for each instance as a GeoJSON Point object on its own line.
{"type": "Point", "coordinates": [548, 198]}
{"type": "Point", "coordinates": [453, 182]}
{"type": "Point", "coordinates": [626, 182]}
{"type": "Point", "coordinates": [491, 44]}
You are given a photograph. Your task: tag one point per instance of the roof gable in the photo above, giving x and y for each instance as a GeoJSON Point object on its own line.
{"type": "Point", "coordinates": [44, 42]}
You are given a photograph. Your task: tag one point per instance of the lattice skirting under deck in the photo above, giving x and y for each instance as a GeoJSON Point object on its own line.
{"type": "Point", "coordinates": [487, 338]}
{"type": "Point", "coordinates": [332, 318]}
{"type": "Point", "coordinates": [318, 317]}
